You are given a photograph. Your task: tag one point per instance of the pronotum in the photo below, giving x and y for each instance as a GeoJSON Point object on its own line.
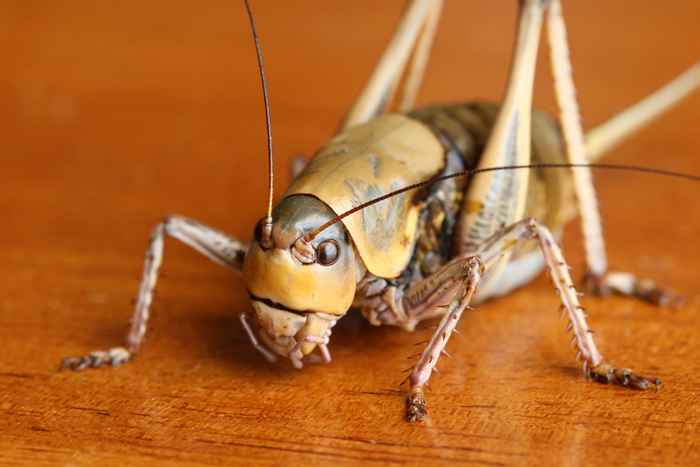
{"type": "Point", "coordinates": [420, 213]}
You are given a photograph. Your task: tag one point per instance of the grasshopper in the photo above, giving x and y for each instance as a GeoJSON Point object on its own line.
{"type": "Point", "coordinates": [384, 220]}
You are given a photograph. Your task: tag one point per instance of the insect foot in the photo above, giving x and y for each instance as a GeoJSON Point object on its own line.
{"type": "Point", "coordinates": [416, 406]}
{"type": "Point", "coordinates": [626, 284]}
{"type": "Point", "coordinates": [115, 356]}
{"type": "Point", "coordinates": [607, 374]}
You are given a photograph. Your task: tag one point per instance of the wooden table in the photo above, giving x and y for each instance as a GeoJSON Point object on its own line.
{"type": "Point", "coordinates": [115, 114]}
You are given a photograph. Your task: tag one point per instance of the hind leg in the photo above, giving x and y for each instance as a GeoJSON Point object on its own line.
{"type": "Point", "coordinates": [629, 285]}
{"type": "Point", "coordinates": [407, 53]}
{"type": "Point", "coordinates": [598, 280]}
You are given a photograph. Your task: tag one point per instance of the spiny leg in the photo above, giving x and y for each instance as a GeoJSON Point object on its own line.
{"type": "Point", "coordinates": [594, 365]}
{"type": "Point", "coordinates": [446, 293]}
{"type": "Point", "coordinates": [215, 245]}
{"type": "Point", "coordinates": [406, 305]}
{"type": "Point", "coordinates": [594, 244]}
{"type": "Point", "coordinates": [377, 93]}
{"type": "Point", "coordinates": [598, 279]}
{"type": "Point", "coordinates": [416, 406]}
{"type": "Point", "coordinates": [423, 300]}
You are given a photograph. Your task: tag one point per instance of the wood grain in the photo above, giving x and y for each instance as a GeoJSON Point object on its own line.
{"type": "Point", "coordinates": [114, 114]}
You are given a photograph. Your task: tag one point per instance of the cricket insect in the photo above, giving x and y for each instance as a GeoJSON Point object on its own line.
{"type": "Point", "coordinates": [419, 214]}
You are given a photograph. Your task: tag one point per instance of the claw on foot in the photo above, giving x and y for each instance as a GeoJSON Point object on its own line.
{"type": "Point", "coordinates": [416, 406]}
{"type": "Point", "coordinates": [626, 284]}
{"type": "Point", "coordinates": [595, 284]}
{"type": "Point", "coordinates": [648, 291]}
{"type": "Point", "coordinates": [114, 357]}
{"type": "Point", "coordinates": [607, 374]}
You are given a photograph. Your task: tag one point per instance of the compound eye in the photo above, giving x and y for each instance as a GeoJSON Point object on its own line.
{"type": "Point", "coordinates": [328, 252]}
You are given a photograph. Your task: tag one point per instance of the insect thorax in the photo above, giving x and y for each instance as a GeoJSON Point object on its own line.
{"type": "Point", "coordinates": [463, 130]}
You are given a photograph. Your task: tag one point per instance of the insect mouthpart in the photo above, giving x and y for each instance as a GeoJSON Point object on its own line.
{"type": "Point", "coordinates": [278, 306]}
{"type": "Point", "coordinates": [279, 330]}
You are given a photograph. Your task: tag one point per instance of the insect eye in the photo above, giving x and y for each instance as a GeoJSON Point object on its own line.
{"type": "Point", "coordinates": [328, 252]}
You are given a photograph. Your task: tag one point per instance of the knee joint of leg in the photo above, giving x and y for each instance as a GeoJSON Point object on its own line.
{"type": "Point", "coordinates": [475, 263]}
{"type": "Point", "coordinates": [168, 220]}
{"type": "Point", "coordinates": [532, 225]}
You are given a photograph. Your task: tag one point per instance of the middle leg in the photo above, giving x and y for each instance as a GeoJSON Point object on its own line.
{"type": "Point", "coordinates": [594, 365]}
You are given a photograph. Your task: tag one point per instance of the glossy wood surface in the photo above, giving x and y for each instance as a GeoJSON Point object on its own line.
{"type": "Point", "coordinates": [113, 114]}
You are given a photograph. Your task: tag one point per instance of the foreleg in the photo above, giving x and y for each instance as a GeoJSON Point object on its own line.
{"type": "Point", "coordinates": [215, 245]}
{"type": "Point", "coordinates": [471, 271]}
{"type": "Point", "coordinates": [383, 303]}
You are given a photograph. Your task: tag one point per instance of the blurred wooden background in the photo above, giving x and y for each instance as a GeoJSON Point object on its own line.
{"type": "Point", "coordinates": [113, 114]}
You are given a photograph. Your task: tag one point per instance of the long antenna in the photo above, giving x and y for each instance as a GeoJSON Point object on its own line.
{"type": "Point", "coordinates": [468, 173]}
{"type": "Point", "coordinates": [266, 234]}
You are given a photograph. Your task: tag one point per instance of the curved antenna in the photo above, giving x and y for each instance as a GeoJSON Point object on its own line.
{"type": "Point", "coordinates": [468, 173]}
{"type": "Point", "coordinates": [266, 234]}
